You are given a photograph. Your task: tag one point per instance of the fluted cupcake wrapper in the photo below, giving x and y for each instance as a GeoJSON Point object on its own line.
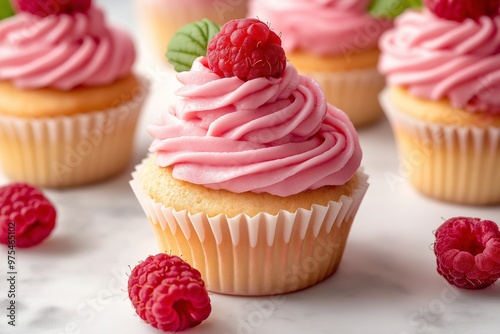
{"type": "Point", "coordinates": [261, 255]}
{"type": "Point", "coordinates": [355, 92]}
{"type": "Point", "coordinates": [458, 164]}
{"type": "Point", "coordinates": [70, 150]}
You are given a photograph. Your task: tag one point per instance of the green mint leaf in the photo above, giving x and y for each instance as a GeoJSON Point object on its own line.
{"type": "Point", "coordinates": [5, 9]}
{"type": "Point", "coordinates": [392, 8]}
{"type": "Point", "coordinates": [190, 42]}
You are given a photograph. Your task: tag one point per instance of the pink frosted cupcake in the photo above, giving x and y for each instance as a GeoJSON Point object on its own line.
{"type": "Point", "coordinates": [334, 42]}
{"type": "Point", "coordinates": [69, 98]}
{"type": "Point", "coordinates": [253, 175]}
{"type": "Point", "coordinates": [443, 99]}
{"type": "Point", "coordinates": [162, 18]}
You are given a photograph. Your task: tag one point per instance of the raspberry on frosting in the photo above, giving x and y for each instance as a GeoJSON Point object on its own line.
{"type": "Point", "coordinates": [25, 211]}
{"type": "Point", "coordinates": [248, 49]}
{"type": "Point", "coordinates": [468, 252]}
{"type": "Point", "coordinates": [168, 293]}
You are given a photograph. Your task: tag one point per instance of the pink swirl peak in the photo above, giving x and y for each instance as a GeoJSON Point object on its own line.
{"type": "Point", "coordinates": [275, 135]}
{"type": "Point", "coordinates": [323, 27]}
{"type": "Point", "coordinates": [63, 51]}
{"type": "Point", "coordinates": [436, 58]}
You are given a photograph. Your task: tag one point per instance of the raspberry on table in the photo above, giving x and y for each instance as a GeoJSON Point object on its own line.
{"type": "Point", "coordinates": [247, 49]}
{"type": "Point", "coordinates": [468, 252]}
{"type": "Point", "coordinates": [52, 7]}
{"type": "Point", "coordinates": [26, 208]}
{"type": "Point", "coordinates": [459, 10]}
{"type": "Point", "coordinates": [168, 293]}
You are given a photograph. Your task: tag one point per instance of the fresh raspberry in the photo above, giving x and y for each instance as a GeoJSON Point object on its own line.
{"type": "Point", "coordinates": [25, 210]}
{"type": "Point", "coordinates": [44, 8]}
{"type": "Point", "coordinates": [168, 293]}
{"type": "Point", "coordinates": [459, 10]}
{"type": "Point", "coordinates": [468, 252]}
{"type": "Point", "coordinates": [248, 49]}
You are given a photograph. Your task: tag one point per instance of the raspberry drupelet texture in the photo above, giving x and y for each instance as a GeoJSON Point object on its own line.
{"type": "Point", "coordinates": [26, 208]}
{"type": "Point", "coordinates": [247, 49]}
{"type": "Point", "coordinates": [52, 7]}
{"type": "Point", "coordinates": [459, 10]}
{"type": "Point", "coordinates": [468, 252]}
{"type": "Point", "coordinates": [168, 293]}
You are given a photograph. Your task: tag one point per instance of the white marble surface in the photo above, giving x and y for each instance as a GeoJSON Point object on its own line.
{"type": "Point", "coordinates": [75, 282]}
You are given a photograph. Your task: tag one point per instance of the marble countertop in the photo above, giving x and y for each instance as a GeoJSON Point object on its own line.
{"type": "Point", "coordinates": [76, 281]}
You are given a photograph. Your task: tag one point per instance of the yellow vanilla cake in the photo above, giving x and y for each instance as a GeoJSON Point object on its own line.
{"type": "Point", "coordinates": [252, 179]}
{"type": "Point", "coordinates": [159, 184]}
{"type": "Point", "coordinates": [70, 101]}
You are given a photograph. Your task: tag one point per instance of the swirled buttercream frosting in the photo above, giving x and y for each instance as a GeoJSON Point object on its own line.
{"type": "Point", "coordinates": [323, 27]}
{"type": "Point", "coordinates": [274, 135]}
{"type": "Point", "coordinates": [63, 51]}
{"type": "Point", "coordinates": [438, 59]}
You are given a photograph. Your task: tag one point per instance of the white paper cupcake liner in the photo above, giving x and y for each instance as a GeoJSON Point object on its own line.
{"type": "Point", "coordinates": [452, 163]}
{"type": "Point", "coordinates": [70, 150]}
{"type": "Point", "coordinates": [355, 92]}
{"type": "Point", "coordinates": [261, 255]}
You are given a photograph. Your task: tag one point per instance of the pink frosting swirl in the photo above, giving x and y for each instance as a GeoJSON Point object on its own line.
{"type": "Point", "coordinates": [436, 58]}
{"type": "Point", "coordinates": [275, 135]}
{"type": "Point", "coordinates": [63, 51]}
{"type": "Point", "coordinates": [323, 27]}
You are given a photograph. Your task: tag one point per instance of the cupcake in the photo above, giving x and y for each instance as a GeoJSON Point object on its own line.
{"type": "Point", "coordinates": [253, 178]}
{"type": "Point", "coordinates": [162, 18]}
{"type": "Point", "coordinates": [334, 42]}
{"type": "Point", "coordinates": [442, 97]}
{"type": "Point", "coordinates": [70, 100]}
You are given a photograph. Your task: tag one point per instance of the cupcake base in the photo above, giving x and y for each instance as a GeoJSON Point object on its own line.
{"type": "Point", "coordinates": [263, 269]}
{"type": "Point", "coordinates": [73, 150]}
{"type": "Point", "coordinates": [350, 82]}
{"type": "Point", "coordinates": [259, 255]}
{"type": "Point", "coordinates": [355, 92]}
{"type": "Point", "coordinates": [453, 163]}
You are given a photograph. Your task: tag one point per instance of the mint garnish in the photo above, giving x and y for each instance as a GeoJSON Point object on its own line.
{"type": "Point", "coordinates": [190, 42]}
{"type": "Point", "coordinates": [5, 9]}
{"type": "Point", "coordinates": [392, 8]}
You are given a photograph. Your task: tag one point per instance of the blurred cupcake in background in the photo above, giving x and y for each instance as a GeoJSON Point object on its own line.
{"type": "Point", "coordinates": [69, 97]}
{"type": "Point", "coordinates": [443, 98]}
{"type": "Point", "coordinates": [162, 18]}
{"type": "Point", "coordinates": [334, 42]}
